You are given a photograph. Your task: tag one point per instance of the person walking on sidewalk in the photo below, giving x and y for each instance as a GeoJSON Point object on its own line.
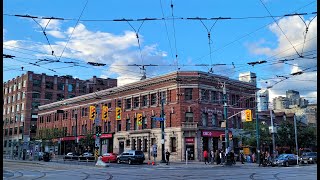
{"type": "Point", "coordinates": [167, 156]}
{"type": "Point", "coordinates": [205, 156]}
{"type": "Point", "coordinates": [212, 156]}
{"type": "Point", "coordinates": [217, 157]}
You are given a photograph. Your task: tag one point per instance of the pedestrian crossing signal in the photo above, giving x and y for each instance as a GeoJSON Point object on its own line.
{"type": "Point", "coordinates": [105, 112]}
{"type": "Point", "coordinates": [139, 119]}
{"type": "Point", "coordinates": [118, 113]}
{"type": "Point", "coordinates": [92, 112]}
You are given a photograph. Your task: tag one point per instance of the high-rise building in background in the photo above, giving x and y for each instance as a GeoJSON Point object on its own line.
{"type": "Point", "coordinates": [249, 77]}
{"type": "Point", "coordinates": [293, 97]}
{"type": "Point", "coordinates": [22, 96]}
{"type": "Point", "coordinates": [263, 100]}
{"type": "Point", "coordinates": [280, 102]}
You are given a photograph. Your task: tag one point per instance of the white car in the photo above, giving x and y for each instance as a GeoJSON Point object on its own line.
{"type": "Point", "coordinates": [70, 154]}
{"type": "Point", "coordinates": [87, 154]}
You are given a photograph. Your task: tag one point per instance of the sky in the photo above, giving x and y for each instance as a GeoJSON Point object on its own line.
{"type": "Point", "coordinates": [220, 37]}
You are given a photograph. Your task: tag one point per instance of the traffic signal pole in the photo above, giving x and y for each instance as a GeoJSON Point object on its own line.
{"type": "Point", "coordinates": [257, 132]}
{"type": "Point", "coordinates": [97, 124]}
{"type": "Point", "coordinates": [225, 114]}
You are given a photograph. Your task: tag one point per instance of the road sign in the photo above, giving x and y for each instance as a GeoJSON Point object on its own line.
{"type": "Point", "coordinates": [159, 119]}
{"type": "Point", "coordinates": [97, 117]}
{"type": "Point", "coordinates": [97, 142]}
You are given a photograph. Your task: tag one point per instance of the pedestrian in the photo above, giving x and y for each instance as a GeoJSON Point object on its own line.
{"type": "Point", "coordinates": [205, 156]}
{"type": "Point", "coordinates": [232, 157]}
{"type": "Point", "coordinates": [167, 156]}
{"type": "Point", "coordinates": [212, 156]}
{"type": "Point", "coordinates": [222, 157]}
{"type": "Point", "coordinates": [253, 157]}
{"type": "Point", "coordinates": [217, 157]}
{"type": "Point", "coordinates": [241, 157]}
{"type": "Point", "coordinates": [261, 158]}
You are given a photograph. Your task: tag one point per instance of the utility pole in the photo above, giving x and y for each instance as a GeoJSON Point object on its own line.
{"type": "Point", "coordinates": [257, 131]}
{"type": "Point", "coordinates": [225, 114]}
{"type": "Point", "coordinates": [162, 133]}
{"type": "Point", "coordinates": [296, 137]}
{"type": "Point", "coordinates": [97, 124]}
{"type": "Point", "coordinates": [272, 132]}
{"type": "Point", "coordinates": [77, 141]}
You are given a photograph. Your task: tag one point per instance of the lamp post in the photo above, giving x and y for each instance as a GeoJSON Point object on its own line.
{"type": "Point", "coordinates": [296, 137]}
{"type": "Point", "coordinates": [162, 133]}
{"type": "Point", "coordinates": [76, 135]}
{"type": "Point", "coordinates": [257, 133]}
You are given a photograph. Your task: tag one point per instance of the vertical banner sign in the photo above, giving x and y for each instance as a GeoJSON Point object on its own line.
{"type": "Point", "coordinates": [92, 112]}
{"type": "Point", "coordinates": [139, 119]}
{"type": "Point", "coordinates": [248, 115]}
{"type": "Point", "coordinates": [118, 113]}
{"type": "Point", "coordinates": [104, 113]}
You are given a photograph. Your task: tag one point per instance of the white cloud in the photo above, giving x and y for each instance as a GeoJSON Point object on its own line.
{"type": "Point", "coordinates": [56, 34]}
{"type": "Point", "coordinates": [9, 44]}
{"type": "Point", "coordinates": [52, 25]}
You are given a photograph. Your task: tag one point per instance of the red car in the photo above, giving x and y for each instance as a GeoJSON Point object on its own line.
{"type": "Point", "coordinates": [109, 157]}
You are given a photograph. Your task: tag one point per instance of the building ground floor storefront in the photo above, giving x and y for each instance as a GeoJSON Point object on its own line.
{"type": "Point", "coordinates": [180, 143]}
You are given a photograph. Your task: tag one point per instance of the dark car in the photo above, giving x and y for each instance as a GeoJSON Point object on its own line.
{"type": "Point", "coordinates": [285, 160]}
{"type": "Point", "coordinates": [132, 156]}
{"type": "Point", "coordinates": [309, 158]}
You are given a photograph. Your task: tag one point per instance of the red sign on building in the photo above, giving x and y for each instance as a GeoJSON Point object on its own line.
{"type": "Point", "coordinates": [189, 139]}
{"type": "Point", "coordinates": [213, 133]}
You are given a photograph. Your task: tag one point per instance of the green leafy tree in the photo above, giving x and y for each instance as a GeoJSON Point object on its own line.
{"type": "Point", "coordinates": [88, 140]}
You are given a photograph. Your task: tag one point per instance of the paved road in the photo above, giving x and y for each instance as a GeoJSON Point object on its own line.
{"type": "Point", "coordinates": [52, 170]}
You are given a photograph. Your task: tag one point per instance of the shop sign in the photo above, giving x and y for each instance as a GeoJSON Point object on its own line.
{"type": "Point", "coordinates": [189, 139]}
{"type": "Point", "coordinates": [213, 133]}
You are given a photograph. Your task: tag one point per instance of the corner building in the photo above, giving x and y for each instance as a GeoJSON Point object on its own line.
{"type": "Point", "coordinates": [193, 109]}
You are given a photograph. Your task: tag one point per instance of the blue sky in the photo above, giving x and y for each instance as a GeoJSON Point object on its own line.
{"type": "Point", "coordinates": [233, 42]}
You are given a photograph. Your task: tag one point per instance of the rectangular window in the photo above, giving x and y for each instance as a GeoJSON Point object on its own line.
{"type": "Point", "coordinates": [119, 103]}
{"type": "Point", "coordinates": [128, 125]}
{"type": "Point", "coordinates": [163, 96]}
{"type": "Point", "coordinates": [18, 107]}
{"type": "Point", "coordinates": [128, 103]}
{"type": "Point", "coordinates": [188, 94]}
{"type": "Point", "coordinates": [60, 97]}
{"type": "Point", "coordinates": [118, 126]}
{"type": "Point", "coordinates": [9, 99]}
{"type": "Point", "coordinates": [144, 123]}
{"type": "Point", "coordinates": [24, 84]}
{"type": "Point", "coordinates": [139, 144]}
{"type": "Point", "coordinates": [10, 89]}
{"type": "Point", "coordinates": [145, 145]}
{"type": "Point", "coordinates": [6, 132]}
{"type": "Point", "coordinates": [5, 143]}
{"type": "Point", "coordinates": [214, 97]}
{"type": "Point", "coordinates": [36, 83]}
{"type": "Point", "coordinates": [5, 101]}
{"type": "Point", "coordinates": [204, 95]}
{"type": "Point", "coordinates": [20, 129]}
{"type": "Point", "coordinates": [61, 87]}
{"type": "Point", "coordinates": [23, 95]}
{"type": "Point", "coordinates": [48, 95]}
{"type": "Point", "coordinates": [19, 85]}
{"type": "Point", "coordinates": [144, 100]}
{"type": "Point", "coordinates": [136, 102]}
{"type": "Point", "coordinates": [49, 85]}
{"type": "Point", "coordinates": [214, 119]}
{"type": "Point", "coordinates": [153, 99]}
{"type": "Point", "coordinates": [22, 106]}
{"type": "Point", "coordinates": [18, 96]}
{"type": "Point", "coordinates": [204, 118]}
{"type": "Point", "coordinates": [12, 110]}
{"type": "Point", "coordinates": [153, 123]}
{"type": "Point", "coordinates": [13, 98]}
{"type": "Point", "coordinates": [173, 144]}
{"type": "Point", "coordinates": [35, 105]}
{"type": "Point", "coordinates": [189, 117]}
{"type": "Point", "coordinates": [109, 126]}
{"type": "Point", "coordinates": [16, 130]}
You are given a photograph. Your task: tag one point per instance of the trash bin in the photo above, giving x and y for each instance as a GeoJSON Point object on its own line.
{"type": "Point", "coordinates": [46, 157]}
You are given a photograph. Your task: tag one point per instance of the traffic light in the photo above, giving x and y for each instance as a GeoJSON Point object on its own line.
{"type": "Point", "coordinates": [248, 115]}
{"type": "Point", "coordinates": [98, 131]}
{"type": "Point", "coordinates": [118, 113]}
{"type": "Point", "coordinates": [105, 112]}
{"type": "Point", "coordinates": [92, 112]}
{"type": "Point", "coordinates": [139, 119]}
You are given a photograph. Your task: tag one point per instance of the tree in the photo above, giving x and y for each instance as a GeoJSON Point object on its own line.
{"type": "Point", "coordinates": [88, 140]}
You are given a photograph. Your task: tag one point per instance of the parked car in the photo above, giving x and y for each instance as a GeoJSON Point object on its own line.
{"type": "Point", "coordinates": [87, 154]}
{"type": "Point", "coordinates": [109, 157]}
{"type": "Point", "coordinates": [70, 154]}
{"type": "Point", "coordinates": [309, 158]}
{"type": "Point", "coordinates": [132, 156]}
{"type": "Point", "coordinates": [285, 160]}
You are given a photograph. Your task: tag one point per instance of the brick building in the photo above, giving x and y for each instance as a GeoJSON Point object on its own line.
{"type": "Point", "coordinates": [22, 96]}
{"type": "Point", "coordinates": [193, 110]}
